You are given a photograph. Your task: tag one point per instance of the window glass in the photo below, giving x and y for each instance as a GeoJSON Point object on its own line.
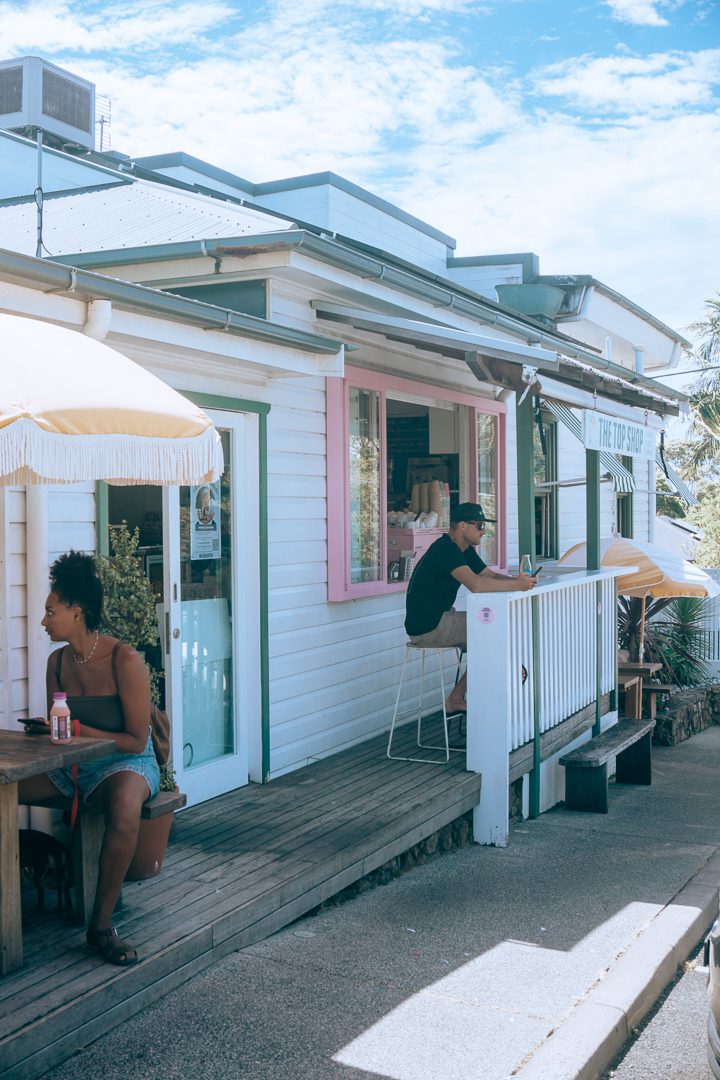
{"type": "Point", "coordinates": [399, 459]}
{"type": "Point", "coordinates": [423, 468]}
{"type": "Point", "coordinates": [366, 563]}
{"type": "Point", "coordinates": [545, 473]}
{"type": "Point", "coordinates": [487, 467]}
{"type": "Point", "coordinates": [624, 504]}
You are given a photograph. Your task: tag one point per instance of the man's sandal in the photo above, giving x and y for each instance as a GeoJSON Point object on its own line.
{"type": "Point", "coordinates": [112, 948]}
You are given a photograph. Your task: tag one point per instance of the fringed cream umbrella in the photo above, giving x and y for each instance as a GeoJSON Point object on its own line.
{"type": "Point", "coordinates": [72, 409]}
{"type": "Point", "coordinates": [652, 571]}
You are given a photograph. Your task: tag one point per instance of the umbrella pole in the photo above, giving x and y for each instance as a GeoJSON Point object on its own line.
{"type": "Point", "coordinates": [641, 648]}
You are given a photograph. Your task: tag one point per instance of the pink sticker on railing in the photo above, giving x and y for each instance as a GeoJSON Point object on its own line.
{"type": "Point", "coordinates": [486, 615]}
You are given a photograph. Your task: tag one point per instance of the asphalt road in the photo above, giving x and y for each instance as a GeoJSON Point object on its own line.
{"type": "Point", "coordinates": [672, 1043]}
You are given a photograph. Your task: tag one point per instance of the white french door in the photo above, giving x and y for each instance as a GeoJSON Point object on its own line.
{"type": "Point", "coordinates": [211, 631]}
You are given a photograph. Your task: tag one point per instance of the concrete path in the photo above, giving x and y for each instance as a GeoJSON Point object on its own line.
{"type": "Point", "coordinates": [535, 961]}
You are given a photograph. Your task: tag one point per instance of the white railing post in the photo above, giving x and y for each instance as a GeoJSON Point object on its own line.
{"type": "Point", "coordinates": [488, 728]}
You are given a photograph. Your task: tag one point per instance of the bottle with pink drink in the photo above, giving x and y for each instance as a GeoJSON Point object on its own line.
{"type": "Point", "coordinates": [60, 722]}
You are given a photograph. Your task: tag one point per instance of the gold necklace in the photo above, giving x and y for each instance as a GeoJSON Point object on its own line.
{"type": "Point", "coordinates": [91, 653]}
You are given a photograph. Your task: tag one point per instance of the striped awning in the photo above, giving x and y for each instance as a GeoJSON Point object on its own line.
{"type": "Point", "coordinates": [674, 480]}
{"type": "Point", "coordinates": [622, 479]}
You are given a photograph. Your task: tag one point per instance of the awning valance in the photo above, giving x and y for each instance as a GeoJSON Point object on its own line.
{"type": "Point", "coordinates": [622, 479]}
{"type": "Point", "coordinates": [504, 362]}
{"type": "Point", "coordinates": [674, 480]}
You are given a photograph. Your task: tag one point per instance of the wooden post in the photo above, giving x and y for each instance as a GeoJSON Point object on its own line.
{"type": "Point", "coordinates": [10, 925]}
{"type": "Point", "coordinates": [525, 478]}
{"type": "Point", "coordinates": [592, 525]}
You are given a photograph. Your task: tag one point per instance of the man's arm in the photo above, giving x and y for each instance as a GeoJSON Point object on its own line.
{"type": "Point", "coordinates": [490, 581]}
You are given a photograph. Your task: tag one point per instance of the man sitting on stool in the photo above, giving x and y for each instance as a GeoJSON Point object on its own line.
{"type": "Point", "coordinates": [452, 561]}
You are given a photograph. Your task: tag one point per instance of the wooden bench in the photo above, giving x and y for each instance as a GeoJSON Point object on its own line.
{"type": "Point", "coordinates": [87, 840]}
{"type": "Point", "coordinates": [586, 775]}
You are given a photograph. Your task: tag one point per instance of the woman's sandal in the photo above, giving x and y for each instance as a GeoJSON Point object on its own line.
{"type": "Point", "coordinates": [111, 947]}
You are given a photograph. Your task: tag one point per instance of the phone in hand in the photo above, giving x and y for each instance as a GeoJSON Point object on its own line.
{"type": "Point", "coordinates": [34, 725]}
{"type": "Point", "coordinates": [536, 571]}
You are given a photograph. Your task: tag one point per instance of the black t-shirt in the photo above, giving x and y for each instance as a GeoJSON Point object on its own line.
{"type": "Point", "coordinates": [432, 589]}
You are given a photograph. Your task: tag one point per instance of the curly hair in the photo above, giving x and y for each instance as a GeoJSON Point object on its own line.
{"type": "Point", "coordinates": [74, 578]}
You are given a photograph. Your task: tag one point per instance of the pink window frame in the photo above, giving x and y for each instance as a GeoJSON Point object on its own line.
{"type": "Point", "coordinates": [338, 420]}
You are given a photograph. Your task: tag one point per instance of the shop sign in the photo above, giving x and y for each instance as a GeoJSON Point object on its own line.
{"type": "Point", "coordinates": [615, 436]}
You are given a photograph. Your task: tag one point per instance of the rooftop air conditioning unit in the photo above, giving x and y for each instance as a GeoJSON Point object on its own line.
{"type": "Point", "coordinates": [37, 96]}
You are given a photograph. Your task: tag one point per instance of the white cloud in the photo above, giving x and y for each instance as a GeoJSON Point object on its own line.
{"type": "Point", "coordinates": [330, 104]}
{"type": "Point", "coordinates": [311, 10]}
{"type": "Point", "coordinates": [636, 207]}
{"type": "Point", "coordinates": [601, 165]}
{"type": "Point", "coordinates": [56, 27]}
{"type": "Point", "coordinates": [638, 12]}
{"type": "Point", "coordinates": [627, 84]}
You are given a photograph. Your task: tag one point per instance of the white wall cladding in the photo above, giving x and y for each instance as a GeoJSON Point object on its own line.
{"type": "Point", "coordinates": [333, 667]}
{"type": "Point", "coordinates": [71, 520]}
{"type": "Point", "coordinates": [337, 210]}
{"type": "Point", "coordinates": [71, 524]}
{"type": "Point", "coordinates": [13, 612]}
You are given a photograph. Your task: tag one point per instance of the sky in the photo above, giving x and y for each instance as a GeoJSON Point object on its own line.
{"type": "Point", "coordinates": [586, 131]}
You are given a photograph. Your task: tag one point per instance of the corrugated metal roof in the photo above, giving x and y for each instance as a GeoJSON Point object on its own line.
{"type": "Point", "coordinates": [126, 216]}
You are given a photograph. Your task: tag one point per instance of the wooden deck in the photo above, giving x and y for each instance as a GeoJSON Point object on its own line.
{"type": "Point", "coordinates": [238, 868]}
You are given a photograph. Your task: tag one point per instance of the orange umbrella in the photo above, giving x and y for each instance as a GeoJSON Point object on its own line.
{"type": "Point", "coordinates": [652, 571]}
{"type": "Point", "coordinates": [72, 409]}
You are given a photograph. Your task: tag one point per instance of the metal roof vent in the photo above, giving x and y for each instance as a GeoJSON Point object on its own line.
{"type": "Point", "coordinates": [38, 96]}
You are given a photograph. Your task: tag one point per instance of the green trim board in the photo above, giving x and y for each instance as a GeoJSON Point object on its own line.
{"type": "Point", "coordinates": [247, 297]}
{"type": "Point", "coordinates": [60, 276]}
{"type": "Point", "coordinates": [102, 518]}
{"type": "Point", "coordinates": [592, 525]}
{"type": "Point", "coordinates": [525, 426]}
{"type": "Point", "coordinates": [534, 793]}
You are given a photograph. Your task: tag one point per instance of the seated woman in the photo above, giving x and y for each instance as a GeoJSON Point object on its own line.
{"type": "Point", "coordinates": [108, 691]}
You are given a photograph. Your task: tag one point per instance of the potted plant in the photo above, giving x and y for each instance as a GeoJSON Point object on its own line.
{"type": "Point", "coordinates": [129, 613]}
{"type": "Point", "coordinates": [153, 837]}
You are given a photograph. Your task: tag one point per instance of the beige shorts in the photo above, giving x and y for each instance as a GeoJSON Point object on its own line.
{"type": "Point", "coordinates": [450, 631]}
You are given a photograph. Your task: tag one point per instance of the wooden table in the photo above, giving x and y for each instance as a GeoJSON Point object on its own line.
{"type": "Point", "coordinates": [22, 757]}
{"type": "Point", "coordinates": [643, 671]}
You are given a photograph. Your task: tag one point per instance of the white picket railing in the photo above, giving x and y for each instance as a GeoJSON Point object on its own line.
{"type": "Point", "coordinates": [507, 655]}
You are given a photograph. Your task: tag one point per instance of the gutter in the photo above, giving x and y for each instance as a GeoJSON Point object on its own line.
{"type": "Point", "coordinates": [436, 290]}
{"type": "Point", "coordinates": [616, 297]}
{"type": "Point", "coordinates": [58, 277]}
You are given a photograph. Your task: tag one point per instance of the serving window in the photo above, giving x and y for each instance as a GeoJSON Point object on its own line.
{"type": "Point", "coordinates": [399, 458]}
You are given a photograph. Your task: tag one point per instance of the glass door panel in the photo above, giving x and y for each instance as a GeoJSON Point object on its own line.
{"type": "Point", "coordinates": [206, 606]}
{"type": "Point", "coordinates": [211, 625]}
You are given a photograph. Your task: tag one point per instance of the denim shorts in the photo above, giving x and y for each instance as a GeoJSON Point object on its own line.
{"type": "Point", "coordinates": [92, 773]}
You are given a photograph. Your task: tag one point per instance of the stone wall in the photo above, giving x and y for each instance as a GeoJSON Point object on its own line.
{"type": "Point", "coordinates": [456, 834]}
{"type": "Point", "coordinates": [685, 713]}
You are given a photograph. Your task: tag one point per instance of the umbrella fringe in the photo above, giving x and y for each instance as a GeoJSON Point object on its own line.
{"type": "Point", "coordinates": [30, 455]}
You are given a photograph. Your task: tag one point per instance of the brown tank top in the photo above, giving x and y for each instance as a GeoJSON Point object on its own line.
{"type": "Point", "coordinates": [102, 711]}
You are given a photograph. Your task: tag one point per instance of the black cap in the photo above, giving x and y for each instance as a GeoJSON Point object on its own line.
{"type": "Point", "coordinates": [470, 512]}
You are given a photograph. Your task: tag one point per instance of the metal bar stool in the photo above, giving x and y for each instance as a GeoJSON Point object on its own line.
{"type": "Point", "coordinates": [446, 747]}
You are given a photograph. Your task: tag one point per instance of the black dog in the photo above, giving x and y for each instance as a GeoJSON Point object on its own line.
{"type": "Point", "coordinates": [41, 855]}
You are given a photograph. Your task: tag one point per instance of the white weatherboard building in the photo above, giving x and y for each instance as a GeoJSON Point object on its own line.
{"type": "Point", "coordinates": [350, 360]}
